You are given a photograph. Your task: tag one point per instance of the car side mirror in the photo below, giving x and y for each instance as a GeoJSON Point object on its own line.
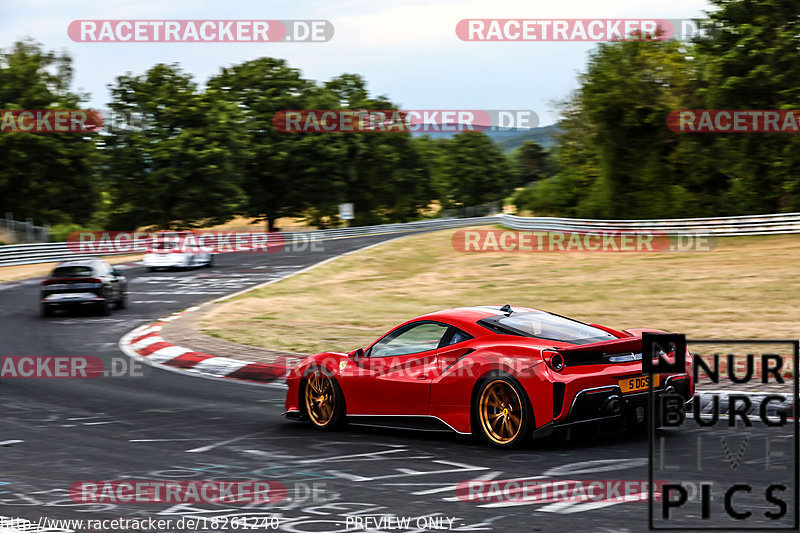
{"type": "Point", "coordinates": [357, 353]}
{"type": "Point", "coordinates": [116, 273]}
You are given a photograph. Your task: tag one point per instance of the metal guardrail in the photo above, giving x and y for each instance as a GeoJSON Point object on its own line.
{"type": "Point", "coordinates": [25, 254]}
{"type": "Point", "coordinates": [717, 226]}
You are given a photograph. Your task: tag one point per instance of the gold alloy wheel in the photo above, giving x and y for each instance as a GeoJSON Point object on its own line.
{"type": "Point", "coordinates": [500, 411]}
{"type": "Point", "coordinates": [320, 398]}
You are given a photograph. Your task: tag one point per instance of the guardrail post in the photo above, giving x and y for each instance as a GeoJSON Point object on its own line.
{"type": "Point", "coordinates": [10, 227]}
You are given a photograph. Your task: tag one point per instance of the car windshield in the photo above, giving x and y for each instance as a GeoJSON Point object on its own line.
{"type": "Point", "coordinates": [546, 326]}
{"type": "Point", "coordinates": [71, 271]}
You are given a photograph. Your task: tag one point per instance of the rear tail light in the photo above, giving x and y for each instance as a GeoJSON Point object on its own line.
{"type": "Point", "coordinates": [554, 360]}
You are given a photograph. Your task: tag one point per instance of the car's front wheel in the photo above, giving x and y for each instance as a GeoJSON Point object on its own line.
{"type": "Point", "coordinates": [323, 401]}
{"type": "Point", "coordinates": [502, 414]}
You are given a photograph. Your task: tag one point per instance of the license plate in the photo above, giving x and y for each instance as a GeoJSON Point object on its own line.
{"type": "Point", "coordinates": [638, 383]}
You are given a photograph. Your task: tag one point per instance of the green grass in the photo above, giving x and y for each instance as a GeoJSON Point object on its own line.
{"type": "Point", "coordinates": [746, 288]}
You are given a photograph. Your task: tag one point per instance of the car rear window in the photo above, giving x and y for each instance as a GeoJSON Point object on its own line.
{"type": "Point", "coordinates": [72, 271]}
{"type": "Point", "coordinates": [164, 246]}
{"type": "Point", "coordinates": [543, 325]}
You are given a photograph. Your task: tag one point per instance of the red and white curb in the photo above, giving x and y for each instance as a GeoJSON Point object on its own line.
{"type": "Point", "coordinates": [145, 344]}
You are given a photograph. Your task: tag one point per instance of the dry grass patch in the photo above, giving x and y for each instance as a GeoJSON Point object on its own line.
{"type": "Point", "coordinates": [746, 288]}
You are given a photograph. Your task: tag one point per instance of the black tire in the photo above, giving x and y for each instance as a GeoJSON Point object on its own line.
{"type": "Point", "coordinates": [501, 413]}
{"type": "Point", "coordinates": [210, 262]}
{"type": "Point", "coordinates": [151, 269]}
{"type": "Point", "coordinates": [122, 303]}
{"type": "Point", "coordinates": [105, 308]}
{"type": "Point", "coordinates": [46, 311]}
{"type": "Point", "coordinates": [327, 387]}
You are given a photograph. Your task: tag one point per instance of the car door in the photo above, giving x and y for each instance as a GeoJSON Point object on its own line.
{"type": "Point", "coordinates": [394, 376]}
{"type": "Point", "coordinates": [121, 283]}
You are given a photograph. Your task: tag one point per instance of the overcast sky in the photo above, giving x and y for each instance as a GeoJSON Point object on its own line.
{"type": "Point", "coordinates": [406, 50]}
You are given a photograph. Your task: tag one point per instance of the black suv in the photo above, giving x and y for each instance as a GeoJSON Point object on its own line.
{"type": "Point", "coordinates": [91, 282]}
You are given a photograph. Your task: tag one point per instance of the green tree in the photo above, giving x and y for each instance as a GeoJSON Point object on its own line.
{"type": "Point", "coordinates": [387, 180]}
{"type": "Point", "coordinates": [752, 61]}
{"type": "Point", "coordinates": [530, 162]}
{"type": "Point", "coordinates": [49, 177]}
{"type": "Point", "coordinates": [180, 169]}
{"type": "Point", "coordinates": [476, 170]}
{"type": "Point", "coordinates": [275, 163]}
{"type": "Point", "coordinates": [616, 157]}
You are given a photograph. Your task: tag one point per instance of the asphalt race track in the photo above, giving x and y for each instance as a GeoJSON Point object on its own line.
{"type": "Point", "coordinates": [167, 426]}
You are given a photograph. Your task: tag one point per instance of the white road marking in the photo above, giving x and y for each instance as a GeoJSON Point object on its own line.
{"type": "Point", "coordinates": [405, 472]}
{"type": "Point", "coordinates": [447, 488]}
{"type": "Point", "coordinates": [599, 465]}
{"type": "Point", "coordinates": [573, 507]}
{"type": "Point", "coordinates": [10, 442]}
{"type": "Point", "coordinates": [346, 457]}
{"type": "Point", "coordinates": [223, 443]}
{"type": "Point", "coordinates": [163, 440]}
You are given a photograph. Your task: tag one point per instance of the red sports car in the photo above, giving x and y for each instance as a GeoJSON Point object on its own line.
{"type": "Point", "coordinates": [506, 374]}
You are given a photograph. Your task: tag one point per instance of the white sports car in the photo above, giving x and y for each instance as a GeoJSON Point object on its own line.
{"type": "Point", "coordinates": [175, 253]}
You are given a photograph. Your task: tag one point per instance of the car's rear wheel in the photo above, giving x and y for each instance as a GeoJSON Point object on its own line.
{"type": "Point", "coordinates": [502, 412]}
{"type": "Point", "coordinates": [105, 307]}
{"type": "Point", "coordinates": [46, 311]}
{"type": "Point", "coordinates": [323, 400]}
{"type": "Point", "coordinates": [122, 303]}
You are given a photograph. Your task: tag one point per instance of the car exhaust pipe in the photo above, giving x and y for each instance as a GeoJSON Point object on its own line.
{"type": "Point", "coordinates": [670, 390]}
{"type": "Point", "coordinates": [614, 405]}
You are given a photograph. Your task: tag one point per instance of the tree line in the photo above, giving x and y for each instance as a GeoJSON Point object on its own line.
{"type": "Point", "coordinates": [209, 152]}
{"type": "Point", "coordinates": [617, 158]}
{"type": "Point", "coordinates": [190, 155]}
